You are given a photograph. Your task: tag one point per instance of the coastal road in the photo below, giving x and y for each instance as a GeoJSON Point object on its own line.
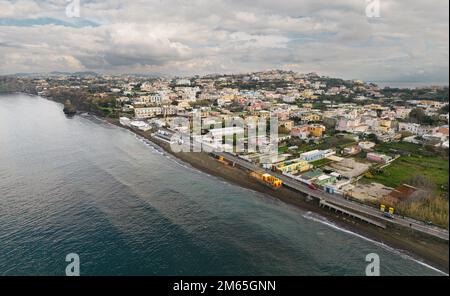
{"type": "Point", "coordinates": [342, 202]}
{"type": "Point", "coordinates": [337, 200]}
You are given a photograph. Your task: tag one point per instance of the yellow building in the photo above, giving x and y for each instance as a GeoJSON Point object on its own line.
{"type": "Point", "coordinates": [288, 124]}
{"type": "Point", "coordinates": [294, 166]}
{"type": "Point", "coordinates": [386, 123]}
{"type": "Point", "coordinates": [316, 130]}
{"type": "Point", "coordinates": [311, 117]}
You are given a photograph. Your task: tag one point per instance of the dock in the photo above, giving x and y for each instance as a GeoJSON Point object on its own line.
{"type": "Point", "coordinates": [343, 211]}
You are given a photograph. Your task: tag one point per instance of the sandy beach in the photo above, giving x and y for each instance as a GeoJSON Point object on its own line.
{"type": "Point", "coordinates": [429, 250]}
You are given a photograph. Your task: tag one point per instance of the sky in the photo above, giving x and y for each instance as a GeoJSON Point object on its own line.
{"type": "Point", "coordinates": [407, 41]}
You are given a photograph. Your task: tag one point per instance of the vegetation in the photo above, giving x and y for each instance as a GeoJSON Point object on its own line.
{"type": "Point", "coordinates": [321, 162]}
{"type": "Point", "coordinates": [440, 94]}
{"type": "Point", "coordinates": [417, 115]}
{"type": "Point", "coordinates": [84, 101]}
{"type": "Point", "coordinates": [11, 84]}
{"type": "Point", "coordinates": [69, 108]}
{"type": "Point", "coordinates": [422, 169]}
{"type": "Point", "coordinates": [423, 204]}
{"type": "Point", "coordinates": [417, 161]}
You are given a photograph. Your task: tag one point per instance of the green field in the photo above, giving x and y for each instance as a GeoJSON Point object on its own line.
{"type": "Point", "coordinates": [433, 168]}
{"type": "Point", "coordinates": [420, 162]}
{"type": "Point", "coordinates": [327, 143]}
{"type": "Point", "coordinates": [321, 162]}
{"type": "Point", "coordinates": [414, 149]}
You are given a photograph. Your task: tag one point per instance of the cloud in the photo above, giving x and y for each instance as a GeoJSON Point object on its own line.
{"type": "Point", "coordinates": [334, 38]}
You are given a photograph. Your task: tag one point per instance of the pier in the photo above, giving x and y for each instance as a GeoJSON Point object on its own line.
{"type": "Point", "coordinates": [343, 211]}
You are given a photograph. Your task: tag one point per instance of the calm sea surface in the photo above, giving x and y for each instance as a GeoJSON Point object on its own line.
{"type": "Point", "coordinates": [82, 186]}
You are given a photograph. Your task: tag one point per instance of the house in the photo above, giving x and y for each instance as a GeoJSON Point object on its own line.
{"type": "Point", "coordinates": [149, 112]}
{"type": "Point", "coordinates": [366, 146]}
{"type": "Point", "coordinates": [324, 180]}
{"type": "Point", "coordinates": [288, 124]}
{"type": "Point", "coordinates": [316, 130]}
{"type": "Point", "coordinates": [300, 131]}
{"type": "Point", "coordinates": [353, 150]}
{"type": "Point", "coordinates": [124, 121]}
{"type": "Point", "coordinates": [311, 117]}
{"type": "Point", "coordinates": [226, 131]}
{"type": "Point", "coordinates": [377, 157]}
{"type": "Point", "coordinates": [413, 128]}
{"type": "Point", "coordinates": [313, 155]}
{"type": "Point", "coordinates": [140, 125]}
{"type": "Point", "coordinates": [296, 165]}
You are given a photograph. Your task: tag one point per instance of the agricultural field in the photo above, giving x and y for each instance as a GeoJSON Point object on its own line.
{"type": "Point", "coordinates": [419, 162]}
{"type": "Point", "coordinates": [403, 169]}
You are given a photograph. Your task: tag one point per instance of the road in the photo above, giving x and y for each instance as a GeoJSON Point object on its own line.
{"type": "Point", "coordinates": [342, 202]}
{"type": "Point", "coordinates": [339, 200]}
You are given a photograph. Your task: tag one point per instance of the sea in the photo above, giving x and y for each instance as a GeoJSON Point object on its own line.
{"type": "Point", "coordinates": [125, 207]}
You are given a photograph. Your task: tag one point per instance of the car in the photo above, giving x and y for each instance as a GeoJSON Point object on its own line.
{"type": "Point", "coordinates": [312, 186]}
{"type": "Point", "coordinates": [388, 215]}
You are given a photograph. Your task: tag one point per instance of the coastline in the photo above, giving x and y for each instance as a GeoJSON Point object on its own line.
{"type": "Point", "coordinates": [427, 250]}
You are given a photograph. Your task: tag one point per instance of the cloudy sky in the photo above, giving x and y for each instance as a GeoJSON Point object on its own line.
{"type": "Point", "coordinates": [409, 42]}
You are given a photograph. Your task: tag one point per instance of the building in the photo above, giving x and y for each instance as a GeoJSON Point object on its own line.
{"type": "Point", "coordinates": [125, 121]}
{"type": "Point", "coordinates": [288, 124]}
{"type": "Point", "coordinates": [292, 166]}
{"type": "Point", "coordinates": [300, 131]}
{"type": "Point", "coordinates": [140, 125]}
{"type": "Point", "coordinates": [313, 155]}
{"type": "Point", "coordinates": [316, 130]}
{"type": "Point", "coordinates": [305, 131]}
{"type": "Point", "coordinates": [183, 82]}
{"type": "Point", "coordinates": [310, 117]}
{"type": "Point", "coordinates": [324, 180]}
{"type": "Point", "coordinates": [155, 99]}
{"type": "Point", "coordinates": [353, 150]}
{"type": "Point", "coordinates": [413, 128]}
{"type": "Point", "coordinates": [144, 113]}
{"type": "Point", "coordinates": [226, 131]}
{"type": "Point", "coordinates": [377, 157]}
{"type": "Point", "coordinates": [366, 145]}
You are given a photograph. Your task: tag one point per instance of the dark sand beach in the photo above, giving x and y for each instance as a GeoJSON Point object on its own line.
{"type": "Point", "coordinates": [432, 251]}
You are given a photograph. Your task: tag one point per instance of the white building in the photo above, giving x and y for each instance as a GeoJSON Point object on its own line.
{"type": "Point", "coordinates": [155, 99]}
{"type": "Point", "coordinates": [409, 127]}
{"type": "Point", "coordinates": [143, 113]}
{"type": "Point", "coordinates": [125, 121]}
{"type": "Point", "coordinates": [140, 125]}
{"type": "Point", "coordinates": [226, 131]}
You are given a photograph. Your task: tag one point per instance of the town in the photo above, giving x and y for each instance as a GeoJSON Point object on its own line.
{"type": "Point", "coordinates": [386, 148]}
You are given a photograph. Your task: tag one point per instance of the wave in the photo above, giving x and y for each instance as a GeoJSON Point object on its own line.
{"type": "Point", "coordinates": [309, 215]}
{"type": "Point", "coordinates": [319, 219]}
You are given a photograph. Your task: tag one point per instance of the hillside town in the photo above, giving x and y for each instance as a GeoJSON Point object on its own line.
{"type": "Point", "coordinates": [384, 147]}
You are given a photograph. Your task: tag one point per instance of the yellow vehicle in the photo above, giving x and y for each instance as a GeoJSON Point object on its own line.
{"type": "Point", "coordinates": [222, 160]}
{"type": "Point", "coordinates": [267, 179]}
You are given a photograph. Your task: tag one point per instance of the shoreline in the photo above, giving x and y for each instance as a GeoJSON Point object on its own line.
{"type": "Point", "coordinates": [421, 248]}
{"type": "Point", "coordinates": [425, 250]}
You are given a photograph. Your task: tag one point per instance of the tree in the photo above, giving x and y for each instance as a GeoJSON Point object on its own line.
{"type": "Point", "coordinates": [417, 115]}
{"type": "Point", "coordinates": [373, 138]}
{"type": "Point", "coordinates": [444, 110]}
{"type": "Point", "coordinates": [69, 109]}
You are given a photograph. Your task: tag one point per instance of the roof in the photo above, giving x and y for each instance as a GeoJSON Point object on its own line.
{"type": "Point", "coordinates": [403, 192]}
